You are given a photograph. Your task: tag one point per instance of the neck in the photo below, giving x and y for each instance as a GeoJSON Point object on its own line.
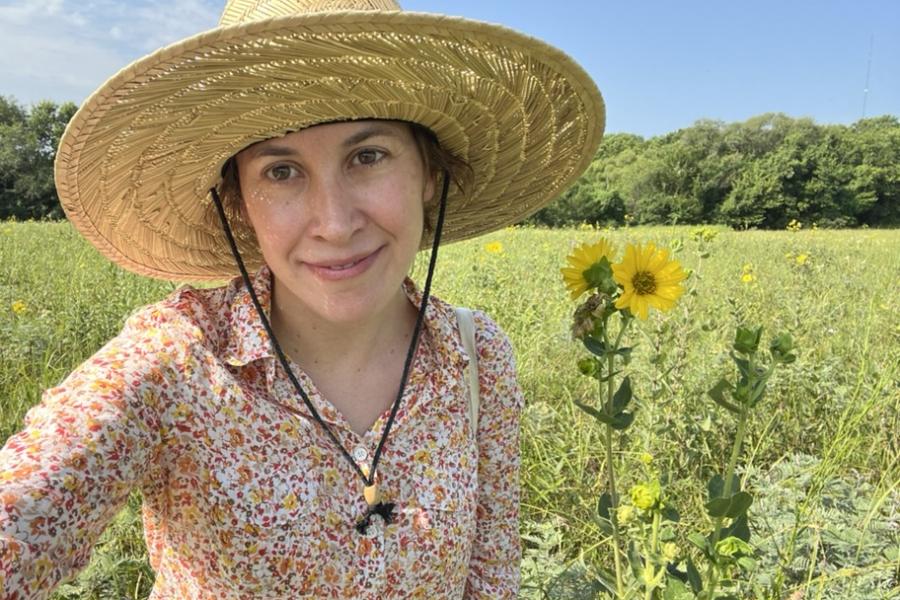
{"type": "Point", "coordinates": [321, 346]}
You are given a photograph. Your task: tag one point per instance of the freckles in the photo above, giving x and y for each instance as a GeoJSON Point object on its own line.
{"type": "Point", "coordinates": [259, 196]}
{"type": "Point", "coordinates": [268, 222]}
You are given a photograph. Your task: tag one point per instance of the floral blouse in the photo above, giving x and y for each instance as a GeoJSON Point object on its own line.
{"type": "Point", "coordinates": [245, 496]}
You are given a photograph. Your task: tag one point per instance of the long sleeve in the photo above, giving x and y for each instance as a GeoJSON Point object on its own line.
{"type": "Point", "coordinates": [83, 448]}
{"type": "Point", "coordinates": [496, 554]}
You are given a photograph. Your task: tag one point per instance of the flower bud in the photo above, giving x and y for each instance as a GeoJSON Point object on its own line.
{"type": "Point", "coordinates": [645, 497]}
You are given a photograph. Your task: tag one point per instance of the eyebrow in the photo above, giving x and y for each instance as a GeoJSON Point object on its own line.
{"type": "Point", "coordinates": [371, 131]}
{"type": "Point", "coordinates": [359, 136]}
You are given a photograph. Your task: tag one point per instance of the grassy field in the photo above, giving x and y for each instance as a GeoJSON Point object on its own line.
{"type": "Point", "coordinates": [821, 456]}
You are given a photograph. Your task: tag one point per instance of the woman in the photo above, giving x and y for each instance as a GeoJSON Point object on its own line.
{"type": "Point", "coordinates": [306, 430]}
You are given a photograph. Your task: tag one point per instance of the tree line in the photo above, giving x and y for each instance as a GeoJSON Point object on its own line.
{"type": "Point", "coordinates": [761, 173]}
{"type": "Point", "coordinates": [28, 140]}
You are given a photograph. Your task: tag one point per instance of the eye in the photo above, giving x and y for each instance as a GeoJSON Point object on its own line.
{"type": "Point", "coordinates": [281, 172]}
{"type": "Point", "coordinates": [368, 156]}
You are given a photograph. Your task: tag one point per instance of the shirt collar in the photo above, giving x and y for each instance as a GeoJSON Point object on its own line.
{"type": "Point", "coordinates": [248, 340]}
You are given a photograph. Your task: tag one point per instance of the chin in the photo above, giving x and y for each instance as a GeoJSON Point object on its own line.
{"type": "Point", "coordinates": [351, 306]}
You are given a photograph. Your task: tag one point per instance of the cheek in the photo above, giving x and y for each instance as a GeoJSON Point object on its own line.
{"type": "Point", "coordinates": [269, 217]}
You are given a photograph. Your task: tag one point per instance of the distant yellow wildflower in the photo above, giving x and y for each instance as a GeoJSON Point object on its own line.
{"type": "Point", "coordinates": [19, 307]}
{"type": "Point", "coordinates": [648, 278]}
{"type": "Point", "coordinates": [493, 247]}
{"type": "Point", "coordinates": [748, 274]}
{"type": "Point", "coordinates": [801, 259]}
{"type": "Point", "coordinates": [580, 260]}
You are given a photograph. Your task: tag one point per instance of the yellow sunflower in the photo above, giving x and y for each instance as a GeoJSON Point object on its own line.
{"type": "Point", "coordinates": [580, 260]}
{"type": "Point", "coordinates": [649, 278]}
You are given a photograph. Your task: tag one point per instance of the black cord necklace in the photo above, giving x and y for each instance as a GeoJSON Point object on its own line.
{"type": "Point", "coordinates": [371, 492]}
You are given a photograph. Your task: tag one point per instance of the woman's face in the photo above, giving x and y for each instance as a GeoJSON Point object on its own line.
{"type": "Point", "coordinates": [338, 212]}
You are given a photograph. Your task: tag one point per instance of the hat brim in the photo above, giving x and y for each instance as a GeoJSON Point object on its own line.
{"type": "Point", "coordinates": [136, 162]}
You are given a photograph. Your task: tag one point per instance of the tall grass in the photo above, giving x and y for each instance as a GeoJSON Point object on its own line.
{"type": "Point", "coordinates": [823, 457]}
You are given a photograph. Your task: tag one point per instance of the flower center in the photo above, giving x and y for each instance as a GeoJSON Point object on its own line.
{"type": "Point", "coordinates": [644, 283]}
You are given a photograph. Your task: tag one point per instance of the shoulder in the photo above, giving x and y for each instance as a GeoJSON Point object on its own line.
{"type": "Point", "coordinates": [491, 341]}
{"type": "Point", "coordinates": [188, 314]}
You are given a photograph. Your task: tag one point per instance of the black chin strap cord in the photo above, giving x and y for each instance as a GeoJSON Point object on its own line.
{"type": "Point", "coordinates": [383, 509]}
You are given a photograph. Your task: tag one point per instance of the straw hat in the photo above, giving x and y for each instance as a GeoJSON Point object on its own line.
{"type": "Point", "coordinates": [136, 163]}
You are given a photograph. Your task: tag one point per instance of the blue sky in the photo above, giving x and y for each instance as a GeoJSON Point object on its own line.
{"type": "Point", "coordinates": [661, 65]}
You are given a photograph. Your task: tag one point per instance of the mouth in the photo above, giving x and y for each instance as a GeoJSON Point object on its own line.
{"type": "Point", "coordinates": [343, 268]}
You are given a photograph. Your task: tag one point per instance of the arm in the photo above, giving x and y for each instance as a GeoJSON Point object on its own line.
{"type": "Point", "coordinates": [496, 554]}
{"type": "Point", "coordinates": [81, 451]}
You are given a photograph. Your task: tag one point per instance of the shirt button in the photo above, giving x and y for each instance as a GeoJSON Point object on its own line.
{"type": "Point", "coordinates": [360, 453]}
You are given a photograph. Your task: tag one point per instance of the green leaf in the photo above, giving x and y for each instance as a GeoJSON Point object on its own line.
{"type": "Point", "coordinates": [607, 377]}
{"type": "Point", "coordinates": [675, 590]}
{"type": "Point", "coordinates": [717, 393]}
{"type": "Point", "coordinates": [717, 507]}
{"type": "Point", "coordinates": [746, 563]}
{"type": "Point", "coordinates": [623, 395]}
{"type": "Point", "coordinates": [597, 414]}
{"type": "Point", "coordinates": [693, 575]}
{"type": "Point", "coordinates": [781, 347]}
{"type": "Point", "coordinates": [700, 541]}
{"type": "Point", "coordinates": [625, 353]}
{"type": "Point", "coordinates": [743, 365]}
{"type": "Point", "coordinates": [671, 514]}
{"type": "Point", "coordinates": [788, 359]}
{"type": "Point", "coordinates": [605, 526]}
{"type": "Point", "coordinates": [594, 346]}
{"type": "Point", "coordinates": [618, 421]}
{"type": "Point", "coordinates": [622, 421]}
{"type": "Point", "coordinates": [600, 276]}
{"type": "Point", "coordinates": [738, 505]}
{"type": "Point", "coordinates": [757, 392]}
{"type": "Point", "coordinates": [746, 340]}
{"type": "Point", "coordinates": [731, 507]}
{"type": "Point", "coordinates": [606, 580]}
{"type": "Point", "coordinates": [739, 529]}
{"type": "Point", "coordinates": [604, 505]}
{"type": "Point", "coordinates": [597, 273]}
{"type": "Point", "coordinates": [716, 486]}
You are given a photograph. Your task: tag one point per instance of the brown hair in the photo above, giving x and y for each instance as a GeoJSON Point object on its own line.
{"type": "Point", "coordinates": [437, 161]}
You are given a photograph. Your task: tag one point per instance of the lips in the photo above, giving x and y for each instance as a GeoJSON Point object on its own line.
{"type": "Point", "coordinates": [343, 268]}
{"type": "Point", "coordinates": [339, 265]}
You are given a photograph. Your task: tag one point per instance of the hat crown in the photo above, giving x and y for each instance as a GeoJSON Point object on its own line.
{"type": "Point", "coordinates": [245, 11]}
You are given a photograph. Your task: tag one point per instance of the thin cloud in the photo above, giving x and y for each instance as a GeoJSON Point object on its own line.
{"type": "Point", "coordinates": [64, 49]}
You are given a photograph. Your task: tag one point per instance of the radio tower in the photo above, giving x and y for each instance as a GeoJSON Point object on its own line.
{"type": "Point", "coordinates": [868, 72]}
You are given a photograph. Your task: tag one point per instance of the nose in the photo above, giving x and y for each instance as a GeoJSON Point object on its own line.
{"type": "Point", "coordinates": [333, 212]}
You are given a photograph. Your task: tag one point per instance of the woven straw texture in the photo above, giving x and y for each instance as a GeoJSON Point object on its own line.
{"type": "Point", "coordinates": [135, 164]}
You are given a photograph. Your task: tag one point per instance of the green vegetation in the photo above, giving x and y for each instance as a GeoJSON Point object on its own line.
{"type": "Point", "coordinates": [28, 141]}
{"type": "Point", "coordinates": [761, 173]}
{"type": "Point", "coordinates": [821, 458]}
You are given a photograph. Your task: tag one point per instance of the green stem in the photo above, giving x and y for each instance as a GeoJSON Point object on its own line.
{"type": "Point", "coordinates": [610, 471]}
{"type": "Point", "coordinates": [654, 551]}
{"type": "Point", "coordinates": [712, 574]}
{"type": "Point", "coordinates": [613, 516]}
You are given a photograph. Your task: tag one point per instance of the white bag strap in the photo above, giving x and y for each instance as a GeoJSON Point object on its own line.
{"type": "Point", "coordinates": [467, 333]}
